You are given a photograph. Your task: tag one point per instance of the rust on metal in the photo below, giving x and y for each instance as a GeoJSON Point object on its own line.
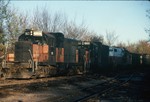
{"type": "Point", "coordinates": [59, 54]}
{"type": "Point", "coordinates": [40, 53]}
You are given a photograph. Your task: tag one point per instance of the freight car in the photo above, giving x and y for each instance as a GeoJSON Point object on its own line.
{"type": "Point", "coordinates": [145, 59]}
{"type": "Point", "coordinates": [136, 59]}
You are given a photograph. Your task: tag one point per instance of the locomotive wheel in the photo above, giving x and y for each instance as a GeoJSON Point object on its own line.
{"type": "Point", "coordinates": [73, 70]}
{"type": "Point", "coordinates": [79, 70]}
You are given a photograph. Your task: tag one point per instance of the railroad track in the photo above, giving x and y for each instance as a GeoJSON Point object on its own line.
{"type": "Point", "coordinates": [104, 89]}
{"type": "Point", "coordinates": [101, 89]}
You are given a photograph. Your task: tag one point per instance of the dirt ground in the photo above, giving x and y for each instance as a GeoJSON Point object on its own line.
{"type": "Point", "coordinates": [58, 89]}
{"type": "Point", "coordinates": [65, 89]}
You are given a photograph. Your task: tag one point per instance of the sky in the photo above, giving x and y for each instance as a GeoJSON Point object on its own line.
{"type": "Point", "coordinates": [126, 18]}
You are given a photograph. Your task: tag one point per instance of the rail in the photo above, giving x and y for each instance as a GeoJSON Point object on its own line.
{"type": "Point", "coordinates": [104, 88]}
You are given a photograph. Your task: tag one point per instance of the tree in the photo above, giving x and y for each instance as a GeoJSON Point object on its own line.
{"type": "Point", "coordinates": [40, 20]}
{"type": "Point", "coordinates": [92, 36]}
{"type": "Point", "coordinates": [45, 21]}
{"type": "Point", "coordinates": [2, 47]}
{"type": "Point", "coordinates": [3, 15]}
{"type": "Point", "coordinates": [131, 47]}
{"type": "Point", "coordinates": [143, 47]}
{"type": "Point", "coordinates": [111, 38]}
{"type": "Point", "coordinates": [3, 10]}
{"type": "Point", "coordinates": [15, 24]}
{"type": "Point", "coordinates": [58, 22]}
{"type": "Point", "coordinates": [1, 35]}
{"type": "Point", "coordinates": [148, 15]}
{"type": "Point", "coordinates": [121, 44]}
{"type": "Point", "coordinates": [97, 38]}
{"type": "Point", "coordinates": [74, 31]}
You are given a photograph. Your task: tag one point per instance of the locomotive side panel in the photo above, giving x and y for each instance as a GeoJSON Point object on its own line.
{"type": "Point", "coordinates": [40, 53]}
{"type": "Point", "coordinates": [51, 42]}
{"type": "Point", "coordinates": [60, 55]}
{"type": "Point", "coordinates": [135, 59]}
{"type": "Point", "coordinates": [105, 56]}
{"type": "Point", "coordinates": [146, 59]}
{"type": "Point", "coordinates": [70, 51]}
{"type": "Point", "coordinates": [59, 48]}
{"type": "Point", "coordinates": [127, 58]}
{"type": "Point", "coordinates": [99, 55]}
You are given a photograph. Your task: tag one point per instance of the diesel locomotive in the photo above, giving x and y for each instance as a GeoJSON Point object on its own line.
{"type": "Point", "coordinates": [43, 54]}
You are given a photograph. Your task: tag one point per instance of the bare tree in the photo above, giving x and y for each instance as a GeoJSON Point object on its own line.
{"type": "Point", "coordinates": [143, 47]}
{"type": "Point", "coordinates": [121, 44]}
{"type": "Point", "coordinates": [97, 38]}
{"type": "Point", "coordinates": [3, 10]}
{"type": "Point", "coordinates": [111, 38]}
{"type": "Point", "coordinates": [74, 31]}
{"type": "Point", "coordinates": [14, 25]}
{"type": "Point", "coordinates": [92, 36]}
{"type": "Point", "coordinates": [40, 20]}
{"type": "Point", "coordinates": [3, 15]}
{"type": "Point", "coordinates": [55, 22]}
{"type": "Point", "coordinates": [46, 20]}
{"type": "Point", "coordinates": [131, 47]}
{"type": "Point", "coordinates": [1, 35]}
{"type": "Point", "coordinates": [2, 47]}
{"type": "Point", "coordinates": [58, 20]}
{"type": "Point", "coordinates": [148, 28]}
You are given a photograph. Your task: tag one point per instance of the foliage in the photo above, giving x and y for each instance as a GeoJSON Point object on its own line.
{"type": "Point", "coordinates": [2, 47]}
{"type": "Point", "coordinates": [3, 15]}
{"type": "Point", "coordinates": [3, 10]}
{"type": "Point", "coordinates": [131, 47]}
{"type": "Point", "coordinates": [1, 35]}
{"type": "Point", "coordinates": [15, 24]}
{"type": "Point", "coordinates": [121, 44]}
{"type": "Point", "coordinates": [142, 47]}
